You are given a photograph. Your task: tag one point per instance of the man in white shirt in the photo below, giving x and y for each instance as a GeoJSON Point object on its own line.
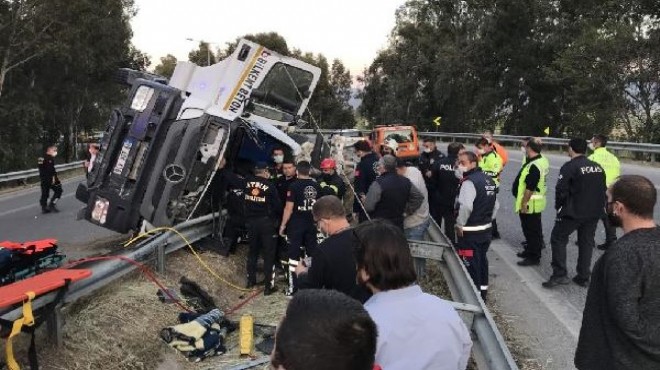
{"type": "Point", "coordinates": [415, 330]}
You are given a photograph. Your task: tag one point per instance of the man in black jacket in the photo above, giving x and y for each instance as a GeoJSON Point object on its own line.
{"type": "Point", "coordinates": [49, 180]}
{"type": "Point", "coordinates": [427, 160]}
{"type": "Point", "coordinates": [621, 319]}
{"type": "Point", "coordinates": [365, 173]}
{"type": "Point", "coordinates": [392, 196]}
{"type": "Point", "coordinates": [445, 185]}
{"type": "Point", "coordinates": [580, 203]}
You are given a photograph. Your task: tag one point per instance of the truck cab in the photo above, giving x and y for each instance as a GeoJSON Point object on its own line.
{"type": "Point", "coordinates": [162, 148]}
{"type": "Point", "coordinates": [403, 137]}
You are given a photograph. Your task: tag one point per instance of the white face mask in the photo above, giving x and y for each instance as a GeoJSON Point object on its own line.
{"type": "Point", "coordinates": [54, 154]}
{"type": "Point", "coordinates": [591, 146]}
{"type": "Point", "coordinates": [460, 171]}
{"type": "Point", "coordinates": [278, 159]}
{"type": "Point", "coordinates": [427, 150]}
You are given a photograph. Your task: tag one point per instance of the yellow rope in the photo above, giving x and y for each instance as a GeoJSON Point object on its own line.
{"type": "Point", "coordinates": [201, 262]}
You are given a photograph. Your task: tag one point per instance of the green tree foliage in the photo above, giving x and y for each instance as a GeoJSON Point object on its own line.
{"type": "Point", "coordinates": [520, 65]}
{"type": "Point", "coordinates": [203, 55]}
{"type": "Point", "coordinates": [166, 66]}
{"type": "Point", "coordinates": [64, 54]}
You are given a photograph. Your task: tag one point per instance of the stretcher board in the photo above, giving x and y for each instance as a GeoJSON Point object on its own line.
{"type": "Point", "coordinates": [40, 284]}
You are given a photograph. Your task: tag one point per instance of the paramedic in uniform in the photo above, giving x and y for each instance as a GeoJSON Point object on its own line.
{"type": "Point", "coordinates": [331, 183]}
{"type": "Point", "coordinates": [580, 200]}
{"type": "Point", "coordinates": [262, 210]}
{"type": "Point", "coordinates": [297, 220]}
{"type": "Point", "coordinates": [365, 173]}
{"type": "Point", "coordinates": [477, 205]}
{"type": "Point", "coordinates": [49, 180]}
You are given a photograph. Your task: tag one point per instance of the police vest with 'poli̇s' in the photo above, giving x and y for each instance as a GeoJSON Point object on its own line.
{"type": "Point", "coordinates": [537, 202]}
{"type": "Point", "coordinates": [491, 165]}
{"type": "Point", "coordinates": [484, 203]}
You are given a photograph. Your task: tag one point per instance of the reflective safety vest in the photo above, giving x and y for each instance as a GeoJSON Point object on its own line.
{"type": "Point", "coordinates": [536, 203]}
{"type": "Point", "coordinates": [609, 162]}
{"type": "Point", "coordinates": [491, 165]}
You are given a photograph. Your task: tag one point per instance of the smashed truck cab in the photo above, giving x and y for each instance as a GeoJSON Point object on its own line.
{"type": "Point", "coordinates": [162, 148]}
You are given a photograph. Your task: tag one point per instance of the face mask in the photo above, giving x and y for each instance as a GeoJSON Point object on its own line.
{"type": "Point", "coordinates": [481, 151]}
{"type": "Point", "coordinates": [427, 150]}
{"type": "Point", "coordinates": [278, 159]}
{"type": "Point", "coordinates": [613, 218]}
{"type": "Point", "coordinates": [591, 146]}
{"type": "Point", "coordinates": [460, 171]}
{"type": "Point", "coordinates": [54, 154]}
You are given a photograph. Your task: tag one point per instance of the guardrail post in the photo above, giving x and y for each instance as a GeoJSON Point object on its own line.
{"type": "Point", "coordinates": [54, 324]}
{"type": "Point", "coordinates": [160, 258]}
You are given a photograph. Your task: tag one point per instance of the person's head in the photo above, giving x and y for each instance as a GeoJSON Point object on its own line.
{"type": "Point", "coordinates": [261, 170]}
{"type": "Point", "coordinates": [329, 214]}
{"type": "Point", "coordinates": [383, 257]}
{"type": "Point", "coordinates": [630, 198]}
{"type": "Point", "coordinates": [288, 168]}
{"type": "Point", "coordinates": [387, 163]}
{"type": "Point", "coordinates": [577, 147]}
{"type": "Point", "coordinates": [467, 161]}
{"type": "Point", "coordinates": [598, 141]}
{"type": "Point", "coordinates": [484, 146]}
{"type": "Point", "coordinates": [454, 149]}
{"type": "Point", "coordinates": [324, 329]}
{"type": "Point", "coordinates": [52, 150]}
{"type": "Point", "coordinates": [278, 155]}
{"type": "Point", "coordinates": [303, 168]}
{"type": "Point", "coordinates": [93, 149]}
{"type": "Point", "coordinates": [532, 146]}
{"type": "Point", "coordinates": [362, 148]}
{"type": "Point", "coordinates": [429, 145]}
{"type": "Point", "coordinates": [328, 166]}
{"type": "Point", "coordinates": [389, 147]}
{"type": "Point", "coordinates": [401, 166]}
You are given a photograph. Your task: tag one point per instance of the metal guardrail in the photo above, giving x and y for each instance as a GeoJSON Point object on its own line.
{"type": "Point", "coordinates": [24, 175]}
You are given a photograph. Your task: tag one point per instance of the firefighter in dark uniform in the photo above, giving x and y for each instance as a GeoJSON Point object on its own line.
{"type": "Point", "coordinates": [477, 205]}
{"type": "Point", "coordinates": [297, 220]}
{"type": "Point", "coordinates": [282, 184]}
{"type": "Point", "coordinates": [580, 199]}
{"type": "Point", "coordinates": [262, 211]}
{"type": "Point", "coordinates": [331, 183]}
{"type": "Point", "coordinates": [234, 186]}
{"type": "Point", "coordinates": [277, 155]}
{"type": "Point", "coordinates": [445, 184]}
{"type": "Point", "coordinates": [427, 160]}
{"type": "Point", "coordinates": [366, 172]}
{"type": "Point", "coordinates": [392, 196]}
{"type": "Point", "coordinates": [49, 180]}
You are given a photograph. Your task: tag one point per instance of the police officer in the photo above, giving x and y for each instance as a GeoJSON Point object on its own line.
{"type": "Point", "coordinates": [445, 185]}
{"type": "Point", "coordinates": [49, 180]}
{"type": "Point", "coordinates": [262, 211]}
{"type": "Point", "coordinates": [365, 174]}
{"type": "Point", "coordinates": [331, 183]}
{"type": "Point", "coordinates": [427, 160]}
{"type": "Point", "coordinates": [476, 207]}
{"type": "Point", "coordinates": [612, 167]}
{"type": "Point", "coordinates": [297, 220]}
{"type": "Point", "coordinates": [529, 189]}
{"type": "Point", "coordinates": [579, 201]}
{"type": "Point", "coordinates": [491, 165]}
{"type": "Point", "coordinates": [392, 196]}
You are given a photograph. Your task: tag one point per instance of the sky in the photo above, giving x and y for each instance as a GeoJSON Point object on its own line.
{"type": "Point", "coordinates": [351, 30]}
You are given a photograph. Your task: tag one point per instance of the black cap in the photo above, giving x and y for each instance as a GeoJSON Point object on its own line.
{"type": "Point", "coordinates": [260, 166]}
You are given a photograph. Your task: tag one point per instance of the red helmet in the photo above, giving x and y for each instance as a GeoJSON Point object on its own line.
{"type": "Point", "coordinates": [328, 164]}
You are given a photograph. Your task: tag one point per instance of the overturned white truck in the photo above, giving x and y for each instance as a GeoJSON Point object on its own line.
{"type": "Point", "coordinates": [161, 149]}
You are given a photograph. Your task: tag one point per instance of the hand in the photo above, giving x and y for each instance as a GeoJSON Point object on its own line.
{"type": "Point", "coordinates": [363, 198]}
{"type": "Point", "coordinates": [429, 174]}
{"type": "Point", "coordinates": [301, 269]}
{"type": "Point", "coordinates": [459, 231]}
{"type": "Point", "coordinates": [282, 229]}
{"type": "Point", "coordinates": [524, 209]}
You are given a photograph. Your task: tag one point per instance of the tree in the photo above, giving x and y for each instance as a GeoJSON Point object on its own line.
{"type": "Point", "coordinates": [202, 56]}
{"type": "Point", "coordinates": [166, 66]}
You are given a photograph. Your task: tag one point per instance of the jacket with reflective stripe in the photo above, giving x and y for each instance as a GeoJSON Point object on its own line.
{"type": "Point", "coordinates": [609, 162]}
{"type": "Point", "coordinates": [537, 202]}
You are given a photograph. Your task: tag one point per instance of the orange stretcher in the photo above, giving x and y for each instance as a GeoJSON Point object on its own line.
{"type": "Point", "coordinates": [30, 247]}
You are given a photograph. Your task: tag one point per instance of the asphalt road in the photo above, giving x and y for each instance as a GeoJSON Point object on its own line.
{"type": "Point", "coordinates": [546, 322]}
{"type": "Point", "coordinates": [21, 220]}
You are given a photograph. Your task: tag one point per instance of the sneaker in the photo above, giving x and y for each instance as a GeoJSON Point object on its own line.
{"type": "Point", "coordinates": [556, 280]}
{"type": "Point", "coordinates": [53, 208]}
{"type": "Point", "coordinates": [522, 254]}
{"type": "Point", "coordinates": [581, 281]}
{"type": "Point", "coordinates": [529, 262]}
{"type": "Point", "coordinates": [45, 210]}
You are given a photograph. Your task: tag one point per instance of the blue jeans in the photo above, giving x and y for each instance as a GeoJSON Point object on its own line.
{"type": "Point", "coordinates": [417, 233]}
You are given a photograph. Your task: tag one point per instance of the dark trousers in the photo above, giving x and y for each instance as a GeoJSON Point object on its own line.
{"type": "Point", "coordinates": [610, 231]}
{"type": "Point", "coordinates": [563, 228]}
{"type": "Point", "coordinates": [472, 248]}
{"type": "Point", "coordinates": [263, 236]}
{"type": "Point", "coordinates": [233, 230]}
{"type": "Point", "coordinates": [533, 231]}
{"type": "Point", "coordinates": [447, 216]}
{"type": "Point", "coordinates": [302, 241]}
{"type": "Point", "coordinates": [46, 187]}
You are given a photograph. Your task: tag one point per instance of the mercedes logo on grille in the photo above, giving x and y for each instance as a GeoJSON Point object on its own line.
{"type": "Point", "coordinates": [174, 173]}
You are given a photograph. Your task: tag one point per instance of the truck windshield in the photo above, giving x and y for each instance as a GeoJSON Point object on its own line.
{"type": "Point", "coordinates": [284, 88]}
{"type": "Point", "coordinates": [400, 136]}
